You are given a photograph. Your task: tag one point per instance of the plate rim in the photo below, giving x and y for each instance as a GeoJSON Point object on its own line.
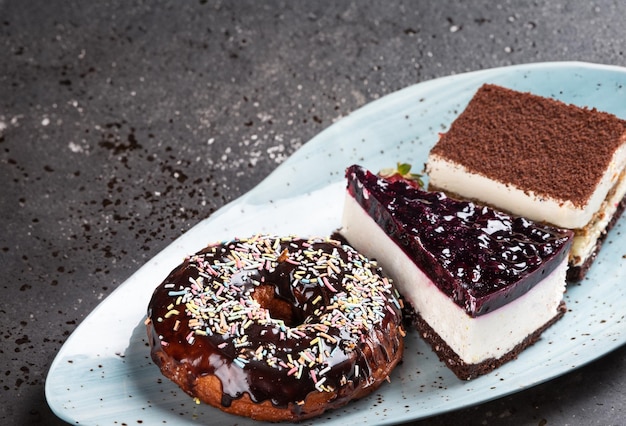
{"type": "Point", "coordinates": [283, 167]}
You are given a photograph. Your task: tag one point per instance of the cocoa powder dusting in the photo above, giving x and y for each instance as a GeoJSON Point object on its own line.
{"type": "Point", "coordinates": [534, 143]}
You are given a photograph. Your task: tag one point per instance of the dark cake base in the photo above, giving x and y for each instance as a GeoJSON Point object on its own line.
{"type": "Point", "coordinates": [470, 371]}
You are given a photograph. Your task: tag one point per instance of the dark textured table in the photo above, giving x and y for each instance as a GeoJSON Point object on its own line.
{"type": "Point", "coordinates": [124, 123]}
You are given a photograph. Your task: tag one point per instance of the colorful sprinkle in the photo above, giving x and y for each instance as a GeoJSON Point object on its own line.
{"type": "Point", "coordinates": [350, 297]}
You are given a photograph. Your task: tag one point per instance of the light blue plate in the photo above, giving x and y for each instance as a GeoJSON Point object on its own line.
{"type": "Point", "coordinates": [103, 374]}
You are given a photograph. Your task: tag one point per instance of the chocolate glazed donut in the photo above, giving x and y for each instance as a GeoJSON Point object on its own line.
{"type": "Point", "coordinates": [276, 328]}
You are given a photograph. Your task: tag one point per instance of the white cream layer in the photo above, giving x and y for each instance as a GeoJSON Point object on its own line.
{"type": "Point", "coordinates": [455, 178]}
{"type": "Point", "coordinates": [585, 239]}
{"type": "Point", "coordinates": [473, 339]}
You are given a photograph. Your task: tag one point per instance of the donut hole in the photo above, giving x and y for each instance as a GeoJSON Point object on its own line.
{"type": "Point", "coordinates": [278, 307]}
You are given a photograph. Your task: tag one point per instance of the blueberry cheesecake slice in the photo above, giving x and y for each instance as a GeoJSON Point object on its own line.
{"type": "Point", "coordinates": [482, 285]}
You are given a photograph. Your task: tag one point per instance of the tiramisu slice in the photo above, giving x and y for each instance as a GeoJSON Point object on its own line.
{"type": "Point", "coordinates": [539, 158]}
{"type": "Point", "coordinates": [483, 284]}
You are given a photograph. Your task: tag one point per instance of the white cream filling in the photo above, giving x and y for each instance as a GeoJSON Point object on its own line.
{"type": "Point", "coordinates": [456, 178]}
{"type": "Point", "coordinates": [473, 339]}
{"type": "Point", "coordinates": [585, 239]}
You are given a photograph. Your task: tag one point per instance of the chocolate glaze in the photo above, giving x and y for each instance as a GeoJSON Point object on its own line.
{"type": "Point", "coordinates": [481, 258]}
{"type": "Point", "coordinates": [345, 353]}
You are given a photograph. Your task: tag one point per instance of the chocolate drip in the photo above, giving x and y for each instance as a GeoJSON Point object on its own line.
{"type": "Point", "coordinates": [273, 325]}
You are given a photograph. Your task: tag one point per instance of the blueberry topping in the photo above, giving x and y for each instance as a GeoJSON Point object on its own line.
{"type": "Point", "coordinates": [478, 256]}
